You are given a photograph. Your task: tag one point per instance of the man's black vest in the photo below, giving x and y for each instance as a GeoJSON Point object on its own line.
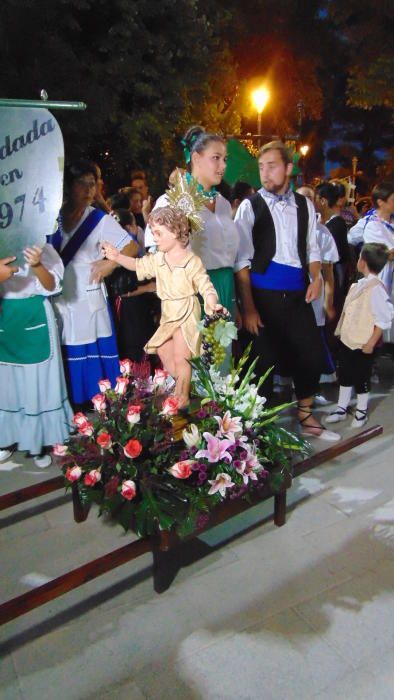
{"type": "Point", "coordinates": [264, 236]}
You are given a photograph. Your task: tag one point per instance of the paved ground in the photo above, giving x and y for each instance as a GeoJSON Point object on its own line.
{"type": "Point", "coordinates": [305, 611]}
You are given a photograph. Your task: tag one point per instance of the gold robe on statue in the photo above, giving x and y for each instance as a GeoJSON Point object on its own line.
{"type": "Point", "coordinates": [177, 287]}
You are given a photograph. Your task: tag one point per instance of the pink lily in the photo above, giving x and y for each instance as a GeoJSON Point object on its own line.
{"type": "Point", "coordinates": [229, 426]}
{"type": "Point", "coordinates": [221, 483]}
{"type": "Point", "coordinates": [216, 449]}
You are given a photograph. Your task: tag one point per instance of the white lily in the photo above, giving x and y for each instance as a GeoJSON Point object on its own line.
{"type": "Point", "coordinates": [191, 436]}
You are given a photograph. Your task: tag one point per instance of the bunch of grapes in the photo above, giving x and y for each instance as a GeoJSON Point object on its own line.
{"type": "Point", "coordinates": [213, 351]}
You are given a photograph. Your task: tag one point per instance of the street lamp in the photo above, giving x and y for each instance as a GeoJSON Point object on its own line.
{"type": "Point", "coordinates": [304, 150]}
{"type": "Point", "coordinates": [260, 98]}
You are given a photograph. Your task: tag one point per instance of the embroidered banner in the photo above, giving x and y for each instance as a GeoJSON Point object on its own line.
{"type": "Point", "coordinates": [31, 178]}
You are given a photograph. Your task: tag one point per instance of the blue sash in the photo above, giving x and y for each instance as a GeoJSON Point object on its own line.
{"type": "Point", "coordinates": [79, 237]}
{"type": "Point", "coordinates": [279, 277]}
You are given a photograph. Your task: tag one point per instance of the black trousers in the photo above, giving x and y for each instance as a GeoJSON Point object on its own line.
{"type": "Point", "coordinates": [290, 340]}
{"type": "Point", "coordinates": [355, 368]}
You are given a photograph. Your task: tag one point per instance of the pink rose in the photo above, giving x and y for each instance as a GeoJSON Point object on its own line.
{"type": "Point", "coordinates": [99, 402]}
{"type": "Point", "coordinates": [170, 406]}
{"type": "Point", "coordinates": [121, 385]}
{"type": "Point", "coordinates": [92, 477]}
{"type": "Point", "coordinates": [73, 473]}
{"type": "Point", "coordinates": [160, 377]}
{"type": "Point", "coordinates": [60, 450]}
{"type": "Point", "coordinates": [86, 429]}
{"type": "Point", "coordinates": [182, 470]}
{"type": "Point", "coordinates": [104, 440]}
{"type": "Point", "coordinates": [134, 413]}
{"type": "Point", "coordinates": [126, 366]}
{"type": "Point", "coordinates": [128, 490]}
{"type": "Point", "coordinates": [132, 449]}
{"type": "Point", "coordinates": [79, 419]}
{"type": "Point", "coordinates": [104, 385]}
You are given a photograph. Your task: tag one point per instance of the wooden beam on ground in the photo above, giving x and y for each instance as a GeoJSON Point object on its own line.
{"type": "Point", "coordinates": [72, 579]}
{"type": "Point", "coordinates": [13, 498]}
{"type": "Point", "coordinates": [337, 449]}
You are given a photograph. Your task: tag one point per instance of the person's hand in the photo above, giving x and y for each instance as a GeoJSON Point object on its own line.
{"type": "Point", "coordinates": [221, 309]}
{"type": "Point", "coordinates": [313, 291]}
{"type": "Point", "coordinates": [7, 270]}
{"type": "Point", "coordinates": [251, 321]}
{"type": "Point", "coordinates": [146, 207]}
{"type": "Point", "coordinates": [368, 348]}
{"type": "Point", "coordinates": [99, 270]}
{"type": "Point", "coordinates": [33, 255]}
{"type": "Point", "coordinates": [109, 251]}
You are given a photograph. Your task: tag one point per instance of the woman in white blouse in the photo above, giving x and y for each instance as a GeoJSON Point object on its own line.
{"type": "Point", "coordinates": [378, 227]}
{"type": "Point", "coordinates": [34, 409]}
{"type": "Point", "coordinates": [217, 244]}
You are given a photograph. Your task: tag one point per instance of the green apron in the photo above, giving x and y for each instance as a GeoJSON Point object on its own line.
{"type": "Point", "coordinates": [24, 334]}
{"type": "Point", "coordinates": [223, 281]}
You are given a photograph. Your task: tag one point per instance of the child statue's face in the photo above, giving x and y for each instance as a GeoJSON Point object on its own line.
{"type": "Point", "coordinates": [164, 238]}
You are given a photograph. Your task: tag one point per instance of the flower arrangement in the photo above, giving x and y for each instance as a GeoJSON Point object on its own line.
{"type": "Point", "coordinates": [149, 467]}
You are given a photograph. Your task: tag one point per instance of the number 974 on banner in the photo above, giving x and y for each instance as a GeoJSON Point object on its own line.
{"type": "Point", "coordinates": [31, 178]}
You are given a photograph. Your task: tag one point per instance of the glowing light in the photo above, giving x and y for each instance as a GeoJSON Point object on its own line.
{"type": "Point", "coordinates": [304, 149]}
{"type": "Point", "coordinates": [260, 98]}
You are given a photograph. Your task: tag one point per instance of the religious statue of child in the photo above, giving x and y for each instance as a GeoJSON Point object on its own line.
{"type": "Point", "coordinates": [180, 277]}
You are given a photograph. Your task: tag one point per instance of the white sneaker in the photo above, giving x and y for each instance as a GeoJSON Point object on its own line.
{"type": "Point", "coordinates": [5, 455]}
{"type": "Point", "coordinates": [43, 462]}
{"type": "Point", "coordinates": [360, 419]}
{"type": "Point", "coordinates": [338, 415]}
{"type": "Point", "coordinates": [320, 400]}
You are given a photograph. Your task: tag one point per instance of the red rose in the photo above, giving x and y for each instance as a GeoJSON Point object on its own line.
{"type": "Point", "coordinates": [133, 448]}
{"type": "Point", "coordinates": [104, 440]}
{"type": "Point", "coordinates": [92, 477]}
{"type": "Point", "coordinates": [128, 490]}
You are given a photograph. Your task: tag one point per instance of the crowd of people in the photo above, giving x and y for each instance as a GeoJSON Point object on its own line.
{"type": "Point", "coordinates": [306, 277]}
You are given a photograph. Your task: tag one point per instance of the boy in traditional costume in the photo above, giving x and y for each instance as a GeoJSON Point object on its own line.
{"type": "Point", "coordinates": [367, 312]}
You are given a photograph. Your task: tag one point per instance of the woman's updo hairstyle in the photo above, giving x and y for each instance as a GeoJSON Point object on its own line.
{"type": "Point", "coordinates": [196, 140]}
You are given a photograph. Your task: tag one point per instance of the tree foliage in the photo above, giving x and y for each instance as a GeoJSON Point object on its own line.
{"type": "Point", "coordinates": [142, 68]}
{"type": "Point", "coordinates": [366, 31]}
{"type": "Point", "coordinates": [147, 70]}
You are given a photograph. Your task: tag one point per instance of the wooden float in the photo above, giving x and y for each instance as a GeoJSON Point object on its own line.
{"type": "Point", "coordinates": [164, 545]}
